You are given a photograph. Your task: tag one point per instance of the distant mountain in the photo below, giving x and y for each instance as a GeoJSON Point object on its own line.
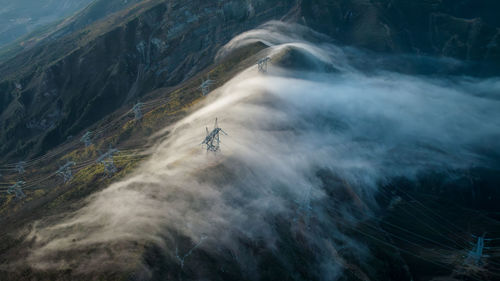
{"type": "Point", "coordinates": [20, 17]}
{"type": "Point", "coordinates": [95, 11]}
{"type": "Point", "coordinates": [79, 17]}
{"type": "Point", "coordinates": [334, 149]}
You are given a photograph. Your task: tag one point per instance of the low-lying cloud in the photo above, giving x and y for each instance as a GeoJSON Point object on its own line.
{"type": "Point", "coordinates": [288, 130]}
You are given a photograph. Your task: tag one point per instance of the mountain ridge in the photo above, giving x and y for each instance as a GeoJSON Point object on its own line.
{"type": "Point", "coordinates": [270, 203]}
{"type": "Point", "coordinates": [381, 26]}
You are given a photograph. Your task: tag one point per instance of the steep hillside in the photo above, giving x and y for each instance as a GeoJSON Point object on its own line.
{"type": "Point", "coordinates": [48, 196]}
{"type": "Point", "coordinates": [77, 76]}
{"type": "Point", "coordinates": [365, 150]}
{"type": "Point", "coordinates": [73, 82]}
{"type": "Point", "coordinates": [326, 172]}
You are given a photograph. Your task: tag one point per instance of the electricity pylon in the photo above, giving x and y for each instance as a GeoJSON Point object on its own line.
{"type": "Point", "coordinates": [477, 253]}
{"type": "Point", "coordinates": [20, 167]}
{"type": "Point", "coordinates": [107, 160]}
{"type": "Point", "coordinates": [86, 139]}
{"type": "Point", "coordinates": [65, 171]}
{"type": "Point", "coordinates": [212, 140]}
{"type": "Point", "coordinates": [138, 111]}
{"type": "Point", "coordinates": [262, 64]}
{"type": "Point", "coordinates": [205, 86]}
{"type": "Point", "coordinates": [17, 189]}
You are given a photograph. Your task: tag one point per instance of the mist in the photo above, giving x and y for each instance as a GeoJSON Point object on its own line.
{"type": "Point", "coordinates": [310, 129]}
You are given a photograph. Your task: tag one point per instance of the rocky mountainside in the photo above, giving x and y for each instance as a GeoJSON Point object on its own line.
{"type": "Point", "coordinates": [58, 88]}
{"type": "Point", "coordinates": [328, 171]}
{"type": "Point", "coordinates": [67, 85]}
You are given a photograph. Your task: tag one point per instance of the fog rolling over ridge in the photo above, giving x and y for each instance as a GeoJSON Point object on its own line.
{"type": "Point", "coordinates": [308, 145]}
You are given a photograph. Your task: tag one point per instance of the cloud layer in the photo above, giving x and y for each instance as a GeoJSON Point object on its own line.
{"type": "Point", "coordinates": [296, 140]}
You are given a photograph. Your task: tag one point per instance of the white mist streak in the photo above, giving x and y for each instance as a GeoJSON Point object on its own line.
{"type": "Point", "coordinates": [283, 129]}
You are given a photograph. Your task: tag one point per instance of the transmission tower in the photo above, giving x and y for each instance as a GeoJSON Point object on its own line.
{"type": "Point", "coordinates": [138, 111]}
{"type": "Point", "coordinates": [20, 167]}
{"type": "Point", "coordinates": [205, 86]}
{"type": "Point", "coordinates": [17, 189]}
{"type": "Point", "coordinates": [107, 160]}
{"type": "Point", "coordinates": [262, 64]}
{"type": "Point", "coordinates": [65, 171]}
{"type": "Point", "coordinates": [86, 139]}
{"type": "Point", "coordinates": [212, 140]}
